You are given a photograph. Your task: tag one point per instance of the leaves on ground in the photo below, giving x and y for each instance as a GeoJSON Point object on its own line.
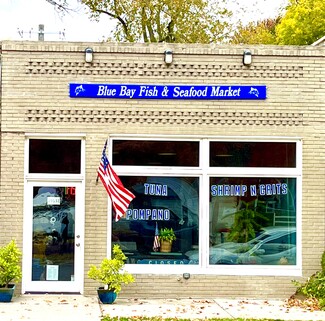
{"type": "Point", "coordinates": [310, 304]}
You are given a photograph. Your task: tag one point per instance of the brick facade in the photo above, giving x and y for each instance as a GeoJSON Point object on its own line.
{"type": "Point", "coordinates": [35, 99]}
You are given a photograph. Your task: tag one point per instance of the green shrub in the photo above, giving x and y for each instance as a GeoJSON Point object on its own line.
{"type": "Point", "coordinates": [10, 269]}
{"type": "Point", "coordinates": [110, 273]}
{"type": "Point", "coordinates": [314, 287]}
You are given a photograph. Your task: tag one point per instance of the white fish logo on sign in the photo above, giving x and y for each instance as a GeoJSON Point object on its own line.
{"type": "Point", "coordinates": [254, 92]}
{"type": "Point", "coordinates": [78, 90]}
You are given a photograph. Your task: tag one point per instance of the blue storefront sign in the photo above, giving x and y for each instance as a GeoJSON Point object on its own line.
{"type": "Point", "coordinates": [185, 92]}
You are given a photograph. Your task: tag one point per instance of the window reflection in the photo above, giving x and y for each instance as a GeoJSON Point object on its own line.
{"type": "Point", "coordinates": [53, 233]}
{"type": "Point", "coordinates": [169, 202]}
{"type": "Point", "coordinates": [252, 221]}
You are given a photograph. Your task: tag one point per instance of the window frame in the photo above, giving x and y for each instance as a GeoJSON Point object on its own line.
{"type": "Point", "coordinates": [53, 176]}
{"type": "Point", "coordinates": [47, 179]}
{"type": "Point", "coordinates": [204, 172]}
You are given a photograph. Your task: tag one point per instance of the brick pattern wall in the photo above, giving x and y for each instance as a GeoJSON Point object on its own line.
{"type": "Point", "coordinates": [35, 99]}
{"type": "Point", "coordinates": [162, 117]}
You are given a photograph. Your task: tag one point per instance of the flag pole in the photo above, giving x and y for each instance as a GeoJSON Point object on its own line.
{"type": "Point", "coordinates": [104, 151]}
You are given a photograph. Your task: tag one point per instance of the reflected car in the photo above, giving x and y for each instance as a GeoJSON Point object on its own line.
{"type": "Point", "coordinates": [274, 246]}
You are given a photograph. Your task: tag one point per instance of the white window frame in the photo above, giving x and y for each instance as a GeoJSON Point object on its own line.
{"type": "Point", "coordinates": [204, 172]}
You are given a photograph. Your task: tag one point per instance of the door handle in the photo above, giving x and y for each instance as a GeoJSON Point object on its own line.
{"type": "Point", "coordinates": [78, 244]}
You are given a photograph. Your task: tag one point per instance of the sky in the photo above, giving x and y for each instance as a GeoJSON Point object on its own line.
{"type": "Point", "coordinates": [20, 20]}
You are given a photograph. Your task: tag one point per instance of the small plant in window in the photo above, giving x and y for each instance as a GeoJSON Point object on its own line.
{"type": "Point", "coordinates": [167, 234]}
{"type": "Point", "coordinates": [245, 223]}
{"type": "Point", "coordinates": [166, 237]}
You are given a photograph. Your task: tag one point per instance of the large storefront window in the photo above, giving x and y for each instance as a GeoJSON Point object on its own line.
{"type": "Point", "coordinates": [160, 202]}
{"type": "Point", "coordinates": [231, 203]}
{"type": "Point", "coordinates": [252, 221]}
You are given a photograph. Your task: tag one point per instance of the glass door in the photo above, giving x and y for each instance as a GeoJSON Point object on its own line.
{"type": "Point", "coordinates": [55, 234]}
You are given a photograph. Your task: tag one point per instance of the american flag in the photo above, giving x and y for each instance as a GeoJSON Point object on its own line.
{"type": "Point", "coordinates": [119, 195]}
{"type": "Point", "coordinates": [156, 242]}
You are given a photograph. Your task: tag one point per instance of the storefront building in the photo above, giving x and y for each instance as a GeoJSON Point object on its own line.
{"type": "Point", "coordinates": [228, 152]}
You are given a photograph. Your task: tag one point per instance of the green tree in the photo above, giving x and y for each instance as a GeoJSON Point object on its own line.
{"type": "Point", "coordinates": [260, 32]}
{"type": "Point", "coordinates": [303, 23]}
{"type": "Point", "coordinates": [182, 21]}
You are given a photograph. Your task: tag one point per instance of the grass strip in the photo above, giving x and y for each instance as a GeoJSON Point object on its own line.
{"type": "Point", "coordinates": [142, 318]}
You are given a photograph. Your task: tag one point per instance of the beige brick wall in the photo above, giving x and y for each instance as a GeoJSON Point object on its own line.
{"type": "Point", "coordinates": [35, 99]}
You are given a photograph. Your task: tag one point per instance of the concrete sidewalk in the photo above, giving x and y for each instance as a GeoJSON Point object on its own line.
{"type": "Point", "coordinates": [51, 308]}
{"type": "Point", "coordinates": [80, 308]}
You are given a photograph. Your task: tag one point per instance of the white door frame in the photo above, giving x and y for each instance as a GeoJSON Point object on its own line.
{"type": "Point", "coordinates": [76, 285]}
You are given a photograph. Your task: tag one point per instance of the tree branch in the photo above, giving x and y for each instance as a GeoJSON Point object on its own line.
{"type": "Point", "coordinates": [112, 15]}
{"type": "Point", "coordinates": [63, 7]}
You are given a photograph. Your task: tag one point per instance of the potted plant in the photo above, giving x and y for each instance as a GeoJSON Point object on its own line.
{"type": "Point", "coordinates": [10, 270]}
{"type": "Point", "coordinates": [166, 238]}
{"type": "Point", "coordinates": [110, 273]}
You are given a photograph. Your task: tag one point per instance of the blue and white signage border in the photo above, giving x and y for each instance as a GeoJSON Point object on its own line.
{"type": "Point", "coordinates": [183, 92]}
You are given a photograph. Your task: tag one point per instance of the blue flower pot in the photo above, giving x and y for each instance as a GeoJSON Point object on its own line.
{"type": "Point", "coordinates": [6, 294]}
{"type": "Point", "coordinates": [106, 296]}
